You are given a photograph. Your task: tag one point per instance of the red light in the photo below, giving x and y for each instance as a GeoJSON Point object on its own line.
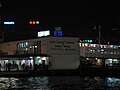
{"type": "Point", "coordinates": [33, 22]}
{"type": "Point", "coordinates": [30, 22]}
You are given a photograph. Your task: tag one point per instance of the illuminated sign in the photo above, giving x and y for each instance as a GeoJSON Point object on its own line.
{"type": "Point", "coordinates": [57, 28]}
{"type": "Point", "coordinates": [55, 33]}
{"type": "Point", "coordinates": [58, 31]}
{"type": "Point", "coordinates": [33, 22]}
{"type": "Point", "coordinates": [86, 41]}
{"type": "Point", "coordinates": [44, 33]}
{"type": "Point", "coordinates": [9, 22]}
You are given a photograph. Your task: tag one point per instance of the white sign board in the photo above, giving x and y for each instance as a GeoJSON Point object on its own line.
{"type": "Point", "coordinates": [44, 33]}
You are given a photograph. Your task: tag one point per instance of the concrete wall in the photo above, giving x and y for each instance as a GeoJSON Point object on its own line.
{"type": "Point", "coordinates": [8, 47]}
{"type": "Point", "coordinates": [64, 62]}
{"type": "Point", "coordinates": [64, 52]}
{"type": "Point", "coordinates": [82, 51]}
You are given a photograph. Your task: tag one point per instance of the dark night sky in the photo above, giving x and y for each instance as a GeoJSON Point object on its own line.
{"type": "Point", "coordinates": [74, 17]}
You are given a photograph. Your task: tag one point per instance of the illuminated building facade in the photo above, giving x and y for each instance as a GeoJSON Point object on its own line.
{"type": "Point", "coordinates": [51, 52]}
{"type": "Point", "coordinates": [58, 53]}
{"type": "Point", "coordinates": [100, 54]}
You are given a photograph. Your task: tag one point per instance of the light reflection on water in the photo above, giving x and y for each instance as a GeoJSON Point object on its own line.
{"type": "Point", "coordinates": [113, 82]}
{"type": "Point", "coordinates": [31, 83]}
{"type": "Point", "coordinates": [60, 83]}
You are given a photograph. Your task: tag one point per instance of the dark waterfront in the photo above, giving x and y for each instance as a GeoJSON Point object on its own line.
{"type": "Point", "coordinates": [60, 83]}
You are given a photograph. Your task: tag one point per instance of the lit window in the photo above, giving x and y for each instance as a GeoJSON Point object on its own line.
{"type": "Point", "coordinates": [26, 43]}
{"type": "Point", "coordinates": [26, 49]}
{"type": "Point", "coordinates": [38, 56]}
{"type": "Point", "coordinates": [115, 60]}
{"type": "Point", "coordinates": [21, 44]}
{"type": "Point", "coordinates": [91, 50]}
{"type": "Point", "coordinates": [43, 58]}
{"type": "Point", "coordinates": [82, 45]}
{"type": "Point", "coordinates": [111, 46]}
{"type": "Point", "coordinates": [87, 58]}
{"type": "Point", "coordinates": [102, 50]}
{"type": "Point", "coordinates": [86, 44]}
{"type": "Point", "coordinates": [93, 45]}
{"type": "Point", "coordinates": [111, 52]}
{"type": "Point", "coordinates": [110, 60]}
{"type": "Point", "coordinates": [31, 57]}
{"type": "Point", "coordinates": [94, 51]}
{"type": "Point", "coordinates": [35, 46]}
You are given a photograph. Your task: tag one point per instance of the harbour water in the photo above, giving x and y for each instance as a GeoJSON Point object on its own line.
{"type": "Point", "coordinates": [60, 83]}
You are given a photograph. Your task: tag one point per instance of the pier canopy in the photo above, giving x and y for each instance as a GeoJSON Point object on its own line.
{"type": "Point", "coordinates": [24, 62]}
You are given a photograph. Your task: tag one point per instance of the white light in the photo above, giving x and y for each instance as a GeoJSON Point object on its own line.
{"type": "Point", "coordinates": [26, 43]}
{"type": "Point", "coordinates": [86, 44]}
{"type": "Point", "coordinates": [38, 56]}
{"type": "Point", "coordinates": [37, 22]}
{"type": "Point", "coordinates": [87, 58]}
{"type": "Point", "coordinates": [57, 28]}
{"type": "Point", "coordinates": [31, 57]}
{"type": "Point", "coordinates": [111, 46]}
{"type": "Point", "coordinates": [43, 58]}
{"type": "Point", "coordinates": [43, 33]}
{"type": "Point", "coordinates": [102, 49]}
{"type": "Point", "coordinates": [115, 60]}
{"type": "Point", "coordinates": [40, 61]}
{"type": "Point", "coordinates": [9, 23]}
{"type": "Point", "coordinates": [110, 60]}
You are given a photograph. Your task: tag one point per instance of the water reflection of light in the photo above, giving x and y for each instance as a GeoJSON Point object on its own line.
{"type": "Point", "coordinates": [32, 83]}
{"type": "Point", "coordinates": [7, 82]}
{"type": "Point", "coordinates": [56, 82]}
{"type": "Point", "coordinates": [113, 81]}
